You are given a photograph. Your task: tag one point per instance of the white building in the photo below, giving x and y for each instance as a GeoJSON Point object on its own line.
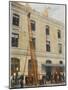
{"type": "Point", "coordinates": [48, 39]}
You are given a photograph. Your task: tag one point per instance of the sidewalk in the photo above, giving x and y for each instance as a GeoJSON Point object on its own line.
{"type": "Point", "coordinates": [48, 84]}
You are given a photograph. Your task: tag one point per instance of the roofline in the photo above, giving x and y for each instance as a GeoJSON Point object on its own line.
{"type": "Point", "coordinates": [23, 7]}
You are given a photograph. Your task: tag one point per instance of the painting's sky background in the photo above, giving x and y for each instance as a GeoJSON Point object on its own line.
{"type": "Point", "coordinates": [54, 11]}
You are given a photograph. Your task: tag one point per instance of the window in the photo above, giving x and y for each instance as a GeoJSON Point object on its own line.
{"type": "Point", "coordinates": [33, 42]}
{"type": "Point", "coordinates": [15, 19]}
{"type": "Point", "coordinates": [48, 46]}
{"type": "Point", "coordinates": [61, 62]}
{"type": "Point", "coordinates": [15, 63]}
{"type": "Point", "coordinates": [60, 48]}
{"type": "Point", "coordinates": [48, 62]}
{"type": "Point", "coordinates": [47, 30]}
{"type": "Point", "coordinates": [59, 34]}
{"type": "Point", "coordinates": [14, 40]}
{"type": "Point", "coordinates": [32, 25]}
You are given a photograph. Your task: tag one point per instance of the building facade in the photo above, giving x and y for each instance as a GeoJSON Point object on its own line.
{"type": "Point", "coordinates": [48, 40]}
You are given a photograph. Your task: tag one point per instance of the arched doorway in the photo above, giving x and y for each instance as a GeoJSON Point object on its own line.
{"type": "Point", "coordinates": [61, 66]}
{"type": "Point", "coordinates": [48, 69]}
{"type": "Point", "coordinates": [15, 65]}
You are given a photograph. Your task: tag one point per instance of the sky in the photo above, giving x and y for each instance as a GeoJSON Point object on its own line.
{"type": "Point", "coordinates": [55, 11]}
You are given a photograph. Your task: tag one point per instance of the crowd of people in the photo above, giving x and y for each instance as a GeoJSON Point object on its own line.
{"type": "Point", "coordinates": [53, 78]}
{"type": "Point", "coordinates": [18, 80]}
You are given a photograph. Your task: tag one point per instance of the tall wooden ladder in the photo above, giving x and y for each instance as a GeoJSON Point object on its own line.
{"type": "Point", "coordinates": [33, 72]}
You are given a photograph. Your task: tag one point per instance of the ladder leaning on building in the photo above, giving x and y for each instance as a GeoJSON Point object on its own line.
{"type": "Point", "coordinates": [33, 71]}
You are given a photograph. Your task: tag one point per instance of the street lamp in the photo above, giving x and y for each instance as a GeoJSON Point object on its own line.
{"type": "Point", "coordinates": [17, 69]}
{"type": "Point", "coordinates": [16, 75]}
{"type": "Point", "coordinates": [14, 79]}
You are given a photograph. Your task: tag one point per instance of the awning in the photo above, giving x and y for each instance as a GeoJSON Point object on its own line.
{"type": "Point", "coordinates": [54, 65]}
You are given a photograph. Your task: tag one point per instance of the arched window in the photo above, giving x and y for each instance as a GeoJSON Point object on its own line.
{"type": "Point", "coordinates": [61, 62]}
{"type": "Point", "coordinates": [15, 65]}
{"type": "Point", "coordinates": [48, 62]}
